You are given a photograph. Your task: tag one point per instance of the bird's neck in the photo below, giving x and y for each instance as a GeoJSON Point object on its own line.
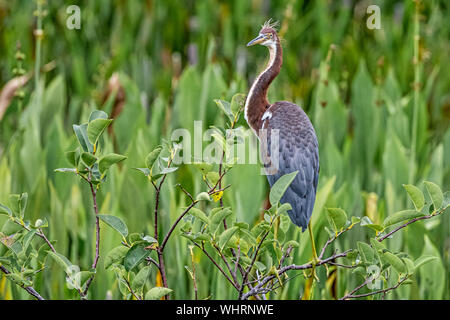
{"type": "Point", "coordinates": [257, 103]}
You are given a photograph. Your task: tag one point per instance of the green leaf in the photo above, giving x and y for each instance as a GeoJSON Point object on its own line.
{"type": "Point", "coordinates": [225, 106]}
{"type": "Point", "coordinates": [260, 266]}
{"type": "Point", "coordinates": [95, 128]}
{"type": "Point", "coordinates": [203, 196]}
{"type": "Point", "coordinates": [10, 227]}
{"type": "Point", "coordinates": [115, 256]}
{"type": "Point", "coordinates": [416, 196]}
{"type": "Point", "coordinates": [42, 254]}
{"type": "Point", "coordinates": [216, 217]}
{"type": "Point", "coordinates": [280, 186]}
{"type": "Point", "coordinates": [140, 279]}
{"type": "Point", "coordinates": [247, 235]}
{"type": "Point", "coordinates": [285, 223]}
{"type": "Point", "coordinates": [366, 222]}
{"type": "Point", "coordinates": [41, 223]}
{"type": "Point", "coordinates": [242, 225]}
{"type": "Point", "coordinates": [66, 170]}
{"type": "Point", "coordinates": [107, 161]}
{"type": "Point", "coordinates": [88, 159]}
{"type": "Point", "coordinates": [157, 293]}
{"type": "Point", "coordinates": [213, 177]}
{"type": "Point", "coordinates": [82, 136]}
{"type": "Point", "coordinates": [144, 171]}
{"type": "Point", "coordinates": [14, 203]}
{"type": "Point", "coordinates": [84, 276]}
{"type": "Point", "coordinates": [338, 218]}
{"type": "Point", "coordinates": [61, 260]}
{"type": "Point", "coordinates": [435, 194]}
{"type": "Point", "coordinates": [433, 274]}
{"type": "Point", "coordinates": [291, 243]}
{"type": "Point", "coordinates": [135, 256]}
{"type": "Point", "coordinates": [168, 170]}
{"type": "Point", "coordinates": [237, 103]}
{"type": "Point", "coordinates": [98, 114]}
{"type": "Point", "coordinates": [409, 265]}
{"type": "Point", "coordinates": [446, 201]}
{"type": "Point", "coordinates": [395, 262]}
{"type": "Point", "coordinates": [355, 220]}
{"type": "Point", "coordinates": [401, 216]}
{"type": "Point", "coordinates": [23, 200]}
{"type": "Point", "coordinates": [27, 239]}
{"type": "Point", "coordinates": [424, 260]}
{"type": "Point", "coordinates": [226, 236]}
{"type": "Point", "coordinates": [152, 156]}
{"type": "Point", "coordinates": [19, 279]}
{"type": "Point", "coordinates": [199, 214]}
{"type": "Point", "coordinates": [366, 251]}
{"type": "Point", "coordinates": [378, 246]}
{"type": "Point", "coordinates": [115, 223]}
{"type": "Point", "coordinates": [73, 157]}
{"type": "Point", "coordinates": [204, 167]}
{"type": "Point", "coordinates": [5, 210]}
{"type": "Point", "coordinates": [284, 208]}
{"type": "Point", "coordinates": [18, 204]}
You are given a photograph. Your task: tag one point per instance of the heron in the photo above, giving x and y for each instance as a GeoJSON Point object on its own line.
{"type": "Point", "coordinates": [297, 142]}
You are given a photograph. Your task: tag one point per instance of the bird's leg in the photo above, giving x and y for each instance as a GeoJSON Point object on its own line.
{"type": "Point", "coordinates": [315, 257]}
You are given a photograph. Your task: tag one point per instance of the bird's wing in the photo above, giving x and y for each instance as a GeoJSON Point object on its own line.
{"type": "Point", "coordinates": [297, 151]}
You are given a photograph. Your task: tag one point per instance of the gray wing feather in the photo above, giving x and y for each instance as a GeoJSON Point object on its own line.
{"type": "Point", "coordinates": [298, 151]}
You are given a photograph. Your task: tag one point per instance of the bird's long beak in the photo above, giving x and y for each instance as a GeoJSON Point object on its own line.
{"type": "Point", "coordinates": [257, 40]}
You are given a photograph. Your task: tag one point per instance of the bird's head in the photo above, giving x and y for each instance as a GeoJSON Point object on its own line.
{"type": "Point", "coordinates": [267, 35]}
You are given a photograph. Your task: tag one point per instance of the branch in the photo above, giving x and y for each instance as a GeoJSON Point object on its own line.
{"type": "Point", "coordinates": [232, 273]}
{"type": "Point", "coordinates": [30, 290]}
{"type": "Point", "coordinates": [412, 221]}
{"type": "Point", "coordinates": [130, 289]}
{"type": "Point", "coordinates": [166, 238]}
{"type": "Point", "coordinates": [245, 276]}
{"type": "Point", "coordinates": [151, 260]}
{"type": "Point", "coordinates": [162, 268]}
{"type": "Point", "coordinates": [258, 288]}
{"type": "Point", "coordinates": [351, 295]}
{"type": "Point", "coordinates": [216, 264]}
{"type": "Point", "coordinates": [331, 240]}
{"type": "Point", "coordinates": [39, 233]}
{"type": "Point", "coordinates": [97, 240]}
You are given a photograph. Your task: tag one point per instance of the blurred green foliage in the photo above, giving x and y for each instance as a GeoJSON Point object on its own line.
{"type": "Point", "coordinates": [173, 58]}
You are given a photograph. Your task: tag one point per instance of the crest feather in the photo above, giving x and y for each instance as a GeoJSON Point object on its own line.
{"type": "Point", "coordinates": [270, 24]}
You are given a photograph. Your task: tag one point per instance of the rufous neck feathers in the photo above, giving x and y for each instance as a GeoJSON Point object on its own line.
{"type": "Point", "coordinates": [257, 103]}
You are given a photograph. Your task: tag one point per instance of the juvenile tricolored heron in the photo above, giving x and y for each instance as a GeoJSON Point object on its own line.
{"type": "Point", "coordinates": [298, 146]}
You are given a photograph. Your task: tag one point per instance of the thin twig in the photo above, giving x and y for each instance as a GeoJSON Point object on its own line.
{"type": "Point", "coordinates": [366, 281]}
{"type": "Point", "coordinates": [151, 260]}
{"type": "Point", "coordinates": [97, 238]}
{"type": "Point", "coordinates": [166, 238]}
{"type": "Point", "coordinates": [233, 274]}
{"type": "Point", "coordinates": [131, 290]}
{"type": "Point", "coordinates": [384, 291]}
{"type": "Point", "coordinates": [162, 268]}
{"type": "Point", "coordinates": [194, 279]}
{"type": "Point", "coordinates": [217, 265]}
{"type": "Point", "coordinates": [331, 240]}
{"type": "Point", "coordinates": [245, 276]}
{"type": "Point", "coordinates": [412, 221]}
{"type": "Point", "coordinates": [306, 266]}
{"type": "Point", "coordinates": [39, 233]}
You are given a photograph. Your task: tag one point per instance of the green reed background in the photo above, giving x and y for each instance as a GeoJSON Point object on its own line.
{"type": "Point", "coordinates": [173, 59]}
